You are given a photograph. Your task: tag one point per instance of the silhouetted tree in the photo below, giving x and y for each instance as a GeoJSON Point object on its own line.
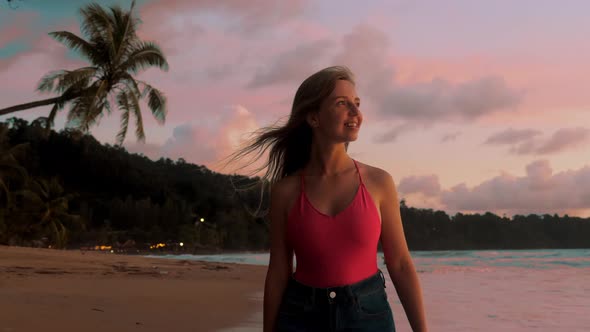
{"type": "Point", "coordinates": [115, 53]}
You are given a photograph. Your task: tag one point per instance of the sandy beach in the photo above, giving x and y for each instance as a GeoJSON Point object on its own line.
{"type": "Point", "coordinates": [57, 290]}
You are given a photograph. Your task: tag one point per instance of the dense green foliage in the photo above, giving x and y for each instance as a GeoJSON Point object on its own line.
{"type": "Point", "coordinates": [118, 196]}
{"type": "Point", "coordinates": [68, 187]}
{"type": "Point", "coordinates": [426, 229]}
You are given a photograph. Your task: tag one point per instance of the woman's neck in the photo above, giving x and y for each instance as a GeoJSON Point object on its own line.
{"type": "Point", "coordinates": [328, 160]}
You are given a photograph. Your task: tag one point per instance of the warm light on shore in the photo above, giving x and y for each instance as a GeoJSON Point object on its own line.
{"type": "Point", "coordinates": [157, 246]}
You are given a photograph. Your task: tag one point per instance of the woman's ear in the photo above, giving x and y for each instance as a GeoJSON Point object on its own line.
{"type": "Point", "coordinates": [312, 119]}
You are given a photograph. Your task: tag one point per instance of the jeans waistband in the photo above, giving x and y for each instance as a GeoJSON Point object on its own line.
{"type": "Point", "coordinates": [368, 285]}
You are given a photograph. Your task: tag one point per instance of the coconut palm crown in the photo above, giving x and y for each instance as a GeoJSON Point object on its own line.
{"type": "Point", "coordinates": [116, 54]}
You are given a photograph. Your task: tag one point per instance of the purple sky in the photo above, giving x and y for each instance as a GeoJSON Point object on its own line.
{"type": "Point", "coordinates": [472, 106]}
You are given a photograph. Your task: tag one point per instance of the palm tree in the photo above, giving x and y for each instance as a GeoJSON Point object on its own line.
{"type": "Point", "coordinates": [115, 53]}
{"type": "Point", "coordinates": [12, 177]}
{"type": "Point", "coordinates": [45, 207]}
{"type": "Point", "coordinates": [10, 168]}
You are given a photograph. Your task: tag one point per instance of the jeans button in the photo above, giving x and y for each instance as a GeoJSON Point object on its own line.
{"type": "Point", "coordinates": [332, 294]}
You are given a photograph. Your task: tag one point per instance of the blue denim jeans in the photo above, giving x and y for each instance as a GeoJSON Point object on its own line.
{"type": "Point", "coordinates": [362, 306]}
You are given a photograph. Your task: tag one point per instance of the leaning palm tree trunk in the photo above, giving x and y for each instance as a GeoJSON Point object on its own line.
{"type": "Point", "coordinates": [34, 104]}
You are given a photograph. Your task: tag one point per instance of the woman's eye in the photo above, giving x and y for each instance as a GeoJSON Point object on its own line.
{"type": "Point", "coordinates": [347, 103]}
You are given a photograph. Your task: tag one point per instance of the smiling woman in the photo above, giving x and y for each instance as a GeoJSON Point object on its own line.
{"type": "Point", "coordinates": [330, 211]}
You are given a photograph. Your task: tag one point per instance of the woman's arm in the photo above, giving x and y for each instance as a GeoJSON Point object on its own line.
{"type": "Point", "coordinates": [397, 256]}
{"type": "Point", "coordinates": [280, 265]}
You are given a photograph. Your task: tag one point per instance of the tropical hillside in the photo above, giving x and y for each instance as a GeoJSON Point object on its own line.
{"type": "Point", "coordinates": [66, 189]}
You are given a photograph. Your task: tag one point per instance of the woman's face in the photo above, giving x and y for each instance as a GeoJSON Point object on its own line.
{"type": "Point", "coordinates": [339, 118]}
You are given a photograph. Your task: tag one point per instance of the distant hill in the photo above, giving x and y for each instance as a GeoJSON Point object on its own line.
{"type": "Point", "coordinates": [66, 189]}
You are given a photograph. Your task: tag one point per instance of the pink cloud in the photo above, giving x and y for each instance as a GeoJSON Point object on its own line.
{"type": "Point", "coordinates": [201, 78]}
{"type": "Point", "coordinates": [248, 16]}
{"type": "Point", "coordinates": [440, 100]}
{"type": "Point", "coordinates": [366, 50]}
{"type": "Point", "coordinates": [204, 142]}
{"type": "Point", "coordinates": [18, 28]}
{"type": "Point", "coordinates": [547, 81]}
{"type": "Point", "coordinates": [539, 191]}
{"type": "Point", "coordinates": [24, 70]}
{"type": "Point", "coordinates": [512, 136]}
{"type": "Point", "coordinates": [393, 133]}
{"type": "Point", "coordinates": [450, 137]}
{"type": "Point", "coordinates": [210, 66]}
{"type": "Point", "coordinates": [527, 141]}
{"type": "Point", "coordinates": [428, 185]}
{"type": "Point", "coordinates": [287, 66]}
{"type": "Point", "coordinates": [564, 138]}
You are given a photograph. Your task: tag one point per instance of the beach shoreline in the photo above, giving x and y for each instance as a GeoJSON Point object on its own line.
{"type": "Point", "coordinates": [73, 290]}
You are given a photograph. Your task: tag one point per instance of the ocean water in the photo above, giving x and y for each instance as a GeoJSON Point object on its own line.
{"type": "Point", "coordinates": [487, 290]}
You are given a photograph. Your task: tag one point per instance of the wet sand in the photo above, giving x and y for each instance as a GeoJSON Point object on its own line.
{"type": "Point", "coordinates": [57, 290]}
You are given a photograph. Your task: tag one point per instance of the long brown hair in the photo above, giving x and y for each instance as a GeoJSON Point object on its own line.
{"type": "Point", "coordinates": [290, 144]}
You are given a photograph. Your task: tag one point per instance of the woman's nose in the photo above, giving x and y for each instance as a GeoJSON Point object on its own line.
{"type": "Point", "coordinates": [353, 108]}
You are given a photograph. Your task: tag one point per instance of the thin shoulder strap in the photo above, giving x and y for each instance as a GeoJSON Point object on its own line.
{"type": "Point", "coordinates": [357, 170]}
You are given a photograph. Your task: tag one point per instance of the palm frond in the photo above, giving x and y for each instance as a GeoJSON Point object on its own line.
{"type": "Point", "coordinates": [47, 82]}
{"type": "Point", "coordinates": [46, 216]}
{"type": "Point", "coordinates": [33, 199]}
{"type": "Point", "coordinates": [41, 187]}
{"type": "Point", "coordinates": [124, 126]}
{"type": "Point", "coordinates": [59, 204]}
{"type": "Point", "coordinates": [98, 100]}
{"type": "Point", "coordinates": [18, 151]}
{"type": "Point", "coordinates": [54, 186]}
{"type": "Point", "coordinates": [156, 102]}
{"type": "Point", "coordinates": [75, 91]}
{"type": "Point", "coordinates": [9, 167]}
{"type": "Point", "coordinates": [51, 118]}
{"type": "Point", "coordinates": [136, 109]}
{"type": "Point", "coordinates": [130, 82]}
{"type": "Point", "coordinates": [97, 25]}
{"type": "Point", "coordinates": [79, 115]}
{"type": "Point", "coordinates": [77, 44]}
{"type": "Point", "coordinates": [62, 80]}
{"type": "Point", "coordinates": [144, 55]}
{"type": "Point", "coordinates": [123, 102]}
{"type": "Point", "coordinates": [87, 109]}
{"type": "Point", "coordinates": [125, 26]}
{"type": "Point", "coordinates": [107, 106]}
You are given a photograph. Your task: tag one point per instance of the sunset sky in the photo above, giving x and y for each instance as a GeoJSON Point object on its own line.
{"type": "Point", "coordinates": [472, 106]}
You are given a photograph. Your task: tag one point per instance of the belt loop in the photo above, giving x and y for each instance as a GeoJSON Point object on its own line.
{"type": "Point", "coordinates": [382, 278]}
{"type": "Point", "coordinates": [313, 295]}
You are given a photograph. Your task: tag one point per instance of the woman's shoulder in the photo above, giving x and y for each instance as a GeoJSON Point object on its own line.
{"type": "Point", "coordinates": [284, 192]}
{"type": "Point", "coordinates": [378, 181]}
{"type": "Point", "coordinates": [285, 186]}
{"type": "Point", "coordinates": [374, 174]}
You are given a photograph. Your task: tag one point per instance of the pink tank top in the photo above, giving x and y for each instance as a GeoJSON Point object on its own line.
{"type": "Point", "coordinates": [335, 250]}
